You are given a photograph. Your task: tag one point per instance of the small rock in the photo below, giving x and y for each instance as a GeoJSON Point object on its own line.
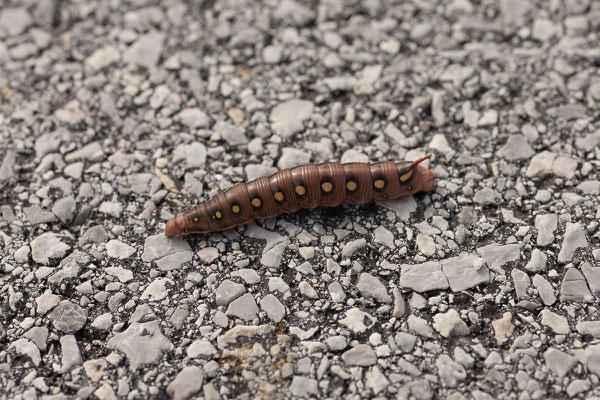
{"type": "Point", "coordinates": [117, 249]}
{"type": "Point", "coordinates": [227, 292]}
{"type": "Point", "coordinates": [288, 117]}
{"type": "Point", "coordinates": [71, 356]}
{"type": "Point", "coordinates": [574, 239]}
{"type": "Point", "coordinates": [304, 387]}
{"type": "Point", "coordinates": [503, 328]}
{"type": "Point", "coordinates": [557, 323]}
{"type": "Point", "coordinates": [142, 343]}
{"type": "Point", "coordinates": [187, 383]}
{"type": "Point", "coordinates": [450, 372]}
{"type": "Point", "coordinates": [243, 307]}
{"type": "Point", "coordinates": [273, 307]}
{"type": "Point", "coordinates": [68, 317]}
{"type": "Point", "coordinates": [559, 362]}
{"type": "Point", "coordinates": [201, 348]}
{"type": "Point", "coordinates": [516, 148]}
{"type": "Point", "coordinates": [574, 287]}
{"type": "Point", "coordinates": [371, 287]}
{"type": "Point", "coordinates": [146, 50]}
{"type": "Point", "coordinates": [47, 248]}
{"type": "Point", "coordinates": [361, 355]}
{"type": "Point", "coordinates": [450, 324]}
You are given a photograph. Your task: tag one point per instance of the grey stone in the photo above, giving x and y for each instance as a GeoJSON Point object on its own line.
{"type": "Point", "coordinates": [71, 356]}
{"type": "Point", "coordinates": [26, 347]}
{"type": "Point", "coordinates": [146, 50]}
{"type": "Point", "coordinates": [273, 307]}
{"type": "Point", "coordinates": [303, 387]}
{"type": "Point", "coordinates": [47, 248]}
{"type": "Point", "coordinates": [228, 291]}
{"type": "Point", "coordinates": [186, 384]}
{"type": "Point", "coordinates": [464, 272]}
{"type": "Point", "coordinates": [157, 290]}
{"type": "Point", "coordinates": [336, 291]}
{"type": "Point", "coordinates": [402, 207]}
{"type": "Point", "coordinates": [357, 321]}
{"type": "Point", "coordinates": [70, 266]}
{"type": "Point", "coordinates": [114, 209]}
{"type": "Point", "coordinates": [376, 380]}
{"type": "Point", "coordinates": [592, 274]}
{"type": "Point", "coordinates": [94, 234]}
{"type": "Point", "coordinates": [496, 256]}
{"type": "Point", "coordinates": [450, 324]}
{"type": "Point", "coordinates": [92, 151]}
{"type": "Point", "coordinates": [420, 326]}
{"type": "Point", "coordinates": [371, 287]}
{"type": "Point", "coordinates": [578, 386]}
{"type": "Point", "coordinates": [516, 148]}
{"type": "Point", "coordinates": [243, 307]}
{"type": "Point", "coordinates": [294, 12]}
{"type": "Point", "coordinates": [36, 215]}
{"type": "Point", "coordinates": [14, 21]}
{"type": "Point", "coordinates": [142, 343]}
{"type": "Point", "coordinates": [291, 157]}
{"type": "Point", "coordinates": [117, 249]}
{"type": "Point", "coordinates": [65, 209]}
{"type": "Point", "coordinates": [103, 322]}
{"type": "Point", "coordinates": [193, 118]}
{"type": "Point", "coordinates": [574, 239]}
{"type": "Point", "coordinates": [544, 29]}
{"type": "Point", "coordinates": [38, 335]}
{"type": "Point", "coordinates": [288, 118]}
{"type": "Point", "coordinates": [7, 166]}
{"type": "Point", "coordinates": [487, 195]}
{"type": "Point", "coordinates": [425, 244]}
{"type": "Point", "coordinates": [423, 277]}
{"type": "Point", "coordinates": [521, 281]}
{"type": "Point", "coordinates": [68, 317]}
{"type": "Point", "coordinates": [591, 328]}
{"type": "Point", "coordinates": [201, 348]}
{"type": "Point", "coordinates": [558, 362]}
{"type": "Point", "coordinates": [102, 58]}
{"type": "Point", "coordinates": [122, 274]}
{"type": "Point", "coordinates": [361, 355]}
{"type": "Point", "coordinates": [232, 134]}
{"type": "Point", "coordinates": [451, 373]}
{"type": "Point", "coordinates": [537, 262]}
{"type": "Point", "coordinates": [46, 302]}
{"type": "Point", "coordinates": [167, 253]}
{"type": "Point", "coordinates": [516, 12]}
{"type": "Point", "coordinates": [557, 323]}
{"type": "Point", "coordinates": [545, 289]}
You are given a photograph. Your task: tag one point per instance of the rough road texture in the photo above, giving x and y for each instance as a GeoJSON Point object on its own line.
{"type": "Point", "coordinates": [116, 115]}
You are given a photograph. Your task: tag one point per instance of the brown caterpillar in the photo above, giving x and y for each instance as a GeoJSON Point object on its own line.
{"type": "Point", "coordinates": [306, 186]}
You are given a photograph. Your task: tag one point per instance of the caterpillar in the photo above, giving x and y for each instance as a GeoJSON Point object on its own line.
{"type": "Point", "coordinates": [306, 186]}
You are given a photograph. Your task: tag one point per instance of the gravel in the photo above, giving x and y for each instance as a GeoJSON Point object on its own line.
{"type": "Point", "coordinates": [118, 116]}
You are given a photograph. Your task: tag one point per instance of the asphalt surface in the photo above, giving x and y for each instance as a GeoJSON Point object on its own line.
{"type": "Point", "coordinates": [116, 116]}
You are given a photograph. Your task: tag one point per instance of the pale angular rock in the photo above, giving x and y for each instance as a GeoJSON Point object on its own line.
{"type": "Point", "coordinates": [288, 118]}
{"type": "Point", "coordinates": [142, 343]}
{"type": "Point", "coordinates": [465, 271]}
{"type": "Point", "coordinates": [574, 239]}
{"type": "Point", "coordinates": [371, 287]}
{"type": "Point", "coordinates": [423, 277]}
{"type": "Point", "coordinates": [450, 324]}
{"type": "Point", "coordinates": [47, 248]}
{"type": "Point", "coordinates": [146, 50]}
{"type": "Point", "coordinates": [450, 372]}
{"type": "Point", "coordinates": [557, 323]}
{"type": "Point", "coordinates": [244, 307]}
{"type": "Point", "coordinates": [559, 362]}
{"type": "Point", "coordinates": [361, 355]}
{"type": "Point", "coordinates": [574, 287]}
{"type": "Point", "coordinates": [187, 383]}
{"type": "Point", "coordinates": [503, 328]}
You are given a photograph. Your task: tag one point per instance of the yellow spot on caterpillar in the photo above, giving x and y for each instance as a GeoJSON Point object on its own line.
{"type": "Point", "coordinates": [406, 176]}
{"type": "Point", "coordinates": [235, 209]}
{"type": "Point", "coordinates": [379, 183]}
{"type": "Point", "coordinates": [327, 187]}
{"type": "Point", "coordinates": [256, 202]}
{"type": "Point", "coordinates": [218, 214]}
{"type": "Point", "coordinates": [196, 219]}
{"type": "Point", "coordinates": [300, 190]}
{"type": "Point", "coordinates": [351, 185]}
{"type": "Point", "coordinates": [278, 196]}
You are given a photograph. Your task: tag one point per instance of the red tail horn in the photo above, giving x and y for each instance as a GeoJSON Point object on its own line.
{"type": "Point", "coordinates": [419, 161]}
